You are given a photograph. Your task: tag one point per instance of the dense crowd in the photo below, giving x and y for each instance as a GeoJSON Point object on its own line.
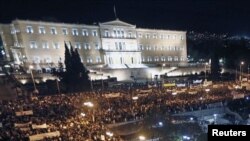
{"type": "Point", "coordinates": [76, 121]}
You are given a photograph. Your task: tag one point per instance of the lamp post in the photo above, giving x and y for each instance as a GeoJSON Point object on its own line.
{"type": "Point", "coordinates": [32, 77]}
{"type": "Point", "coordinates": [241, 64]}
{"type": "Point", "coordinates": [91, 84]}
{"type": "Point", "coordinates": [163, 65]}
{"type": "Point", "coordinates": [206, 72]}
{"type": "Point", "coordinates": [102, 81]}
{"type": "Point", "coordinates": [90, 105]}
{"type": "Point", "coordinates": [248, 72]}
{"type": "Point", "coordinates": [58, 87]}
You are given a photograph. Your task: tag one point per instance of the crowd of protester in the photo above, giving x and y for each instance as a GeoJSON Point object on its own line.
{"type": "Point", "coordinates": [75, 121]}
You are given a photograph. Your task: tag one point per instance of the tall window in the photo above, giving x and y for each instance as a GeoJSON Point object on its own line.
{"type": "Point", "coordinates": [154, 36]}
{"type": "Point", "coordinates": [78, 45]}
{"type": "Point", "coordinates": [169, 58]}
{"type": "Point", "coordinates": [87, 46]}
{"type": "Point", "coordinates": [106, 33]}
{"type": "Point", "coordinates": [85, 32]}
{"type": "Point", "coordinates": [41, 30]}
{"type": "Point", "coordinates": [147, 36]}
{"type": "Point", "coordinates": [141, 47]}
{"type": "Point", "coordinates": [149, 59]}
{"type": "Point", "coordinates": [129, 35]}
{"type": "Point", "coordinates": [176, 58]}
{"type": "Point", "coordinates": [98, 59]}
{"type": "Point", "coordinates": [182, 38]}
{"type": "Point", "coordinates": [122, 34]}
{"type": "Point", "coordinates": [56, 45]}
{"type": "Point", "coordinates": [116, 46]}
{"type": "Point", "coordinates": [182, 58]}
{"type": "Point", "coordinates": [36, 59]}
{"type": "Point", "coordinates": [143, 59]}
{"type": "Point", "coordinates": [156, 58]}
{"type": "Point", "coordinates": [74, 32]}
{"type": "Point", "coordinates": [155, 48]}
{"type": "Point", "coordinates": [48, 59]}
{"type": "Point", "coordinates": [94, 33]}
{"type": "Point", "coordinates": [97, 46]}
{"type": "Point", "coordinates": [45, 45]}
{"type": "Point", "coordinates": [140, 35]}
{"type": "Point", "coordinates": [163, 59]}
{"type": "Point", "coordinates": [89, 60]}
{"type": "Point", "coordinates": [65, 31]}
{"type": "Point", "coordinates": [29, 29]}
{"type": "Point", "coordinates": [33, 44]}
{"type": "Point", "coordinates": [53, 31]}
{"type": "Point", "coordinates": [120, 46]}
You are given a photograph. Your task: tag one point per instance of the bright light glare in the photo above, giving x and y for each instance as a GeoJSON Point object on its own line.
{"type": "Point", "coordinates": [160, 124]}
{"type": "Point", "coordinates": [109, 133]}
{"type": "Point", "coordinates": [135, 97]}
{"type": "Point", "coordinates": [142, 138]}
{"type": "Point", "coordinates": [207, 90]}
{"type": "Point", "coordinates": [174, 93]}
{"type": "Point", "coordinates": [186, 137]}
{"type": "Point", "coordinates": [89, 104]}
{"type": "Point", "coordinates": [83, 114]}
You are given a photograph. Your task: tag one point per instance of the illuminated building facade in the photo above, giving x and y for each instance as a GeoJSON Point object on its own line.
{"type": "Point", "coordinates": [114, 44]}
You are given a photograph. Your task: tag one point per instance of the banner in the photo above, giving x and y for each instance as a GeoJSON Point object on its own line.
{"type": "Point", "coordinates": [42, 136]}
{"type": "Point", "coordinates": [181, 85]}
{"type": "Point", "coordinates": [1, 124]}
{"type": "Point", "coordinates": [20, 125]}
{"type": "Point", "coordinates": [112, 95]}
{"type": "Point", "coordinates": [197, 81]}
{"type": "Point", "coordinates": [146, 91]}
{"type": "Point", "coordinates": [42, 126]}
{"type": "Point", "coordinates": [25, 129]}
{"type": "Point", "coordinates": [169, 84]}
{"type": "Point", "coordinates": [24, 113]}
{"type": "Point", "coordinates": [207, 83]}
{"type": "Point", "coordinates": [238, 96]}
{"type": "Point", "coordinates": [192, 92]}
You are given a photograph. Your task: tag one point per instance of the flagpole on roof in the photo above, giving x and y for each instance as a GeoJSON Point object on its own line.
{"type": "Point", "coordinates": [115, 13]}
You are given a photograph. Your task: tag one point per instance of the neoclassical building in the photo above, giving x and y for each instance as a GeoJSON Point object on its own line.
{"type": "Point", "coordinates": [113, 44]}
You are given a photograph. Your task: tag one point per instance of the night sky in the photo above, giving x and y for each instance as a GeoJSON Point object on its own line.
{"type": "Point", "coordinates": [217, 16]}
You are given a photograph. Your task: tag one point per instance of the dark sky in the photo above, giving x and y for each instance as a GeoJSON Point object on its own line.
{"type": "Point", "coordinates": [219, 16]}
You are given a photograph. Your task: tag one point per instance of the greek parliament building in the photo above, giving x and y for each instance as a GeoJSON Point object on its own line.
{"type": "Point", "coordinates": [113, 45]}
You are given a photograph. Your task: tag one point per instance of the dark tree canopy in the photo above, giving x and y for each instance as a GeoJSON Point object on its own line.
{"type": "Point", "coordinates": [75, 77]}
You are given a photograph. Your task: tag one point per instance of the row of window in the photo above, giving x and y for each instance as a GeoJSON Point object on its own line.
{"type": "Point", "coordinates": [48, 59]}
{"type": "Point", "coordinates": [170, 48]}
{"type": "Point", "coordinates": [64, 31]}
{"type": "Point", "coordinates": [116, 33]}
{"type": "Point", "coordinates": [161, 36]}
{"type": "Point", "coordinates": [56, 45]}
{"type": "Point", "coordinates": [162, 58]}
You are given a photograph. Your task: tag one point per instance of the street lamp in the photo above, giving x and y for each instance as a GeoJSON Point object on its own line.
{"type": "Point", "coordinates": [215, 118]}
{"type": "Point", "coordinates": [206, 72]}
{"type": "Point", "coordinates": [91, 84]}
{"type": "Point", "coordinates": [248, 72]}
{"type": "Point", "coordinates": [58, 87]}
{"type": "Point", "coordinates": [142, 138]}
{"type": "Point", "coordinates": [90, 105]}
{"type": "Point", "coordinates": [163, 65]}
{"type": "Point", "coordinates": [241, 64]}
{"type": "Point", "coordinates": [32, 77]}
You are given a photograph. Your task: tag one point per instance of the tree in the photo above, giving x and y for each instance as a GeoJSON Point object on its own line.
{"type": "Point", "coordinates": [215, 67]}
{"type": "Point", "coordinates": [76, 76]}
